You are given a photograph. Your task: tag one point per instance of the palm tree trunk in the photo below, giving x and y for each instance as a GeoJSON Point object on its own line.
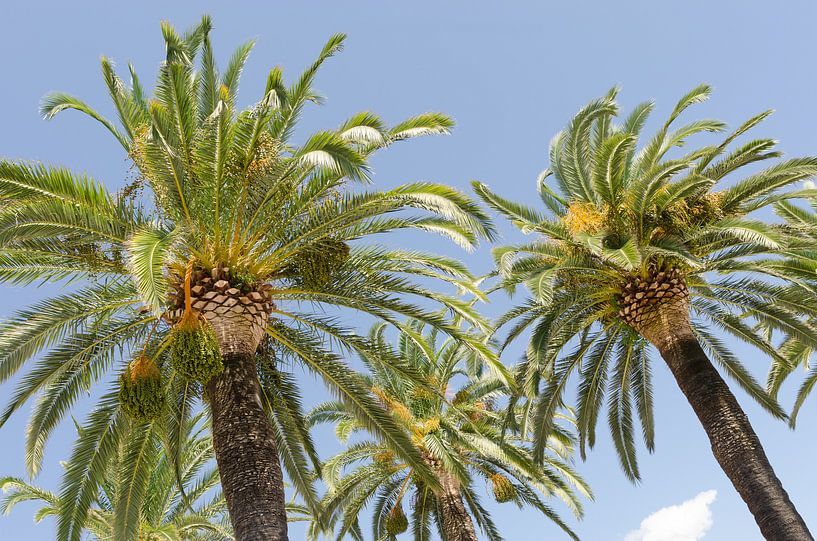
{"type": "Point", "coordinates": [246, 453]}
{"type": "Point", "coordinates": [734, 443]}
{"type": "Point", "coordinates": [457, 523]}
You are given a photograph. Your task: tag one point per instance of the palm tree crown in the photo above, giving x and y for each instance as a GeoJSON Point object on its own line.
{"type": "Point", "coordinates": [237, 224]}
{"type": "Point", "coordinates": [654, 246]}
{"type": "Point", "coordinates": [459, 436]}
{"type": "Point", "coordinates": [628, 229]}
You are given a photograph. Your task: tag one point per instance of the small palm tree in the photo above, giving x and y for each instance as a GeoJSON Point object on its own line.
{"type": "Point", "coordinates": [168, 511]}
{"type": "Point", "coordinates": [459, 437]}
{"type": "Point", "coordinates": [240, 236]}
{"type": "Point", "coordinates": [645, 247]}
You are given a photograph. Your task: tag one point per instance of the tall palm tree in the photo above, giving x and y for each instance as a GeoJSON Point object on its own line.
{"type": "Point", "coordinates": [459, 436]}
{"type": "Point", "coordinates": [240, 234]}
{"type": "Point", "coordinates": [655, 246]}
{"type": "Point", "coordinates": [169, 511]}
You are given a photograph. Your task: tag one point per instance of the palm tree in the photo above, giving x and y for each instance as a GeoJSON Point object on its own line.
{"type": "Point", "coordinates": [192, 510]}
{"type": "Point", "coordinates": [647, 247]}
{"type": "Point", "coordinates": [240, 234]}
{"type": "Point", "coordinates": [458, 435]}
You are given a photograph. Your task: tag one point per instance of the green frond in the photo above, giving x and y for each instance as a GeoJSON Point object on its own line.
{"type": "Point", "coordinates": [698, 94]}
{"type": "Point", "coordinates": [635, 121]}
{"type": "Point", "coordinates": [232, 73]}
{"type": "Point", "coordinates": [619, 408]}
{"type": "Point", "coordinates": [17, 491]}
{"type": "Point", "coordinates": [149, 250]}
{"type": "Point", "coordinates": [23, 267]}
{"type": "Point", "coordinates": [802, 393]}
{"type": "Point", "coordinates": [138, 462]}
{"type": "Point", "coordinates": [131, 110]}
{"type": "Point", "coordinates": [364, 128]}
{"type": "Point", "coordinates": [745, 193]}
{"type": "Point", "coordinates": [64, 374]}
{"type": "Point", "coordinates": [95, 447]}
{"type": "Point", "coordinates": [421, 125]}
{"type": "Point", "coordinates": [525, 218]}
{"type": "Point", "coordinates": [47, 323]}
{"type": "Point", "coordinates": [56, 102]}
{"type": "Point", "coordinates": [328, 151]}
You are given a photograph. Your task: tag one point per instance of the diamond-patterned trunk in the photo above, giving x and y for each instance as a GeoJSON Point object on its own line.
{"type": "Point", "coordinates": [238, 318]}
{"type": "Point", "coordinates": [654, 304]}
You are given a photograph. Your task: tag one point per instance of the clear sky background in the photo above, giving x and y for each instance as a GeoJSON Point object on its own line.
{"type": "Point", "coordinates": [511, 74]}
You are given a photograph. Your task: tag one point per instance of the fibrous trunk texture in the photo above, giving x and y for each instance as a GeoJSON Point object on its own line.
{"type": "Point", "coordinates": [247, 455]}
{"type": "Point", "coordinates": [457, 523]}
{"type": "Point", "coordinates": [237, 317]}
{"type": "Point", "coordinates": [664, 321]}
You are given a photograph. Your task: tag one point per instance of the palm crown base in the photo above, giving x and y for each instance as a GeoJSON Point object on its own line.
{"type": "Point", "coordinates": [237, 311]}
{"type": "Point", "coordinates": [655, 305]}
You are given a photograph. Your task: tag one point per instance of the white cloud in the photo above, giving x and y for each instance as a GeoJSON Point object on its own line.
{"type": "Point", "coordinates": [688, 521]}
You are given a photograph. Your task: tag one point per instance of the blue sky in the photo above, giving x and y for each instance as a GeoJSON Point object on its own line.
{"type": "Point", "coordinates": [511, 77]}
